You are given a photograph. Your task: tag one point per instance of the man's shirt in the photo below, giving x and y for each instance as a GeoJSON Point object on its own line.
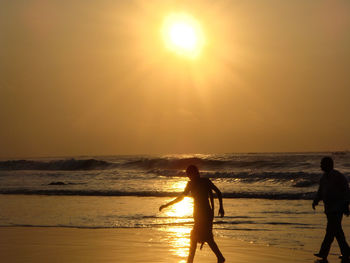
{"type": "Point", "coordinates": [334, 191]}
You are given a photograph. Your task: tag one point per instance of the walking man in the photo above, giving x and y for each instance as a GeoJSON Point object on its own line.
{"type": "Point", "coordinates": [334, 192]}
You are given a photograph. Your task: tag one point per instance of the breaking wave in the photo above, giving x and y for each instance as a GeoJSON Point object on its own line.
{"type": "Point", "coordinates": [207, 163]}
{"type": "Point", "coordinates": [67, 165]}
{"type": "Point", "coordinates": [149, 164]}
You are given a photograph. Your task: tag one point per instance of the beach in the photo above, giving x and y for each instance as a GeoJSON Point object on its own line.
{"type": "Point", "coordinates": [106, 209]}
{"type": "Point", "coordinates": [54, 244]}
{"type": "Point", "coordinates": [51, 229]}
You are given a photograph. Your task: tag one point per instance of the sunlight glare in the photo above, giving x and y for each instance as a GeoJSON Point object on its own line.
{"type": "Point", "coordinates": [181, 209]}
{"type": "Point", "coordinates": [183, 35]}
{"type": "Point", "coordinates": [179, 239]}
{"type": "Point", "coordinates": [179, 217]}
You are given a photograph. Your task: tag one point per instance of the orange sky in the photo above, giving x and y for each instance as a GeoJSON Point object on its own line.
{"type": "Point", "coordinates": [94, 77]}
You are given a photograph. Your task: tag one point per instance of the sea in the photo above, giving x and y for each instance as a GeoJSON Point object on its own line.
{"type": "Point", "coordinates": [267, 196]}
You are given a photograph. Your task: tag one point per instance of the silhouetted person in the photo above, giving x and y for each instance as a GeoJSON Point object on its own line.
{"type": "Point", "coordinates": [334, 192]}
{"type": "Point", "coordinates": [203, 212]}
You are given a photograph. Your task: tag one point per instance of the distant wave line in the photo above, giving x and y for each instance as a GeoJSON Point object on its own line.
{"type": "Point", "coordinates": [251, 195]}
{"type": "Point", "coordinates": [145, 164]}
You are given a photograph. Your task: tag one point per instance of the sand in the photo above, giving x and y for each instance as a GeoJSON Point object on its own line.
{"type": "Point", "coordinates": [51, 244]}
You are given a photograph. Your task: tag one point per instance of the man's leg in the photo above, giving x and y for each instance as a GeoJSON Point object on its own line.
{"type": "Point", "coordinates": [339, 234]}
{"type": "Point", "coordinates": [193, 248]}
{"type": "Point", "coordinates": [329, 237]}
{"type": "Point", "coordinates": [214, 247]}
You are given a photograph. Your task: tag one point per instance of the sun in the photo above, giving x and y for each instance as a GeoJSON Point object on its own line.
{"type": "Point", "coordinates": [183, 35]}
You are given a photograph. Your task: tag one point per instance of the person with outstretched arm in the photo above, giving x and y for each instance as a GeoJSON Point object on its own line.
{"type": "Point", "coordinates": [203, 212]}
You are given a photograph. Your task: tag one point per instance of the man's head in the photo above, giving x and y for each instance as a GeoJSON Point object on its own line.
{"type": "Point", "coordinates": [192, 172]}
{"type": "Point", "coordinates": [327, 164]}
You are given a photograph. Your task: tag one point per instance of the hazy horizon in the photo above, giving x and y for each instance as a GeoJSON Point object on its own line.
{"type": "Point", "coordinates": [184, 155]}
{"type": "Point", "coordinates": [95, 78]}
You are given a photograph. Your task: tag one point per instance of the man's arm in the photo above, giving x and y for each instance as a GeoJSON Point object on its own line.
{"type": "Point", "coordinates": [345, 187]}
{"type": "Point", "coordinates": [177, 199]}
{"type": "Point", "coordinates": [218, 193]}
{"type": "Point", "coordinates": [211, 198]}
{"type": "Point", "coordinates": [346, 195]}
{"type": "Point", "coordinates": [318, 196]}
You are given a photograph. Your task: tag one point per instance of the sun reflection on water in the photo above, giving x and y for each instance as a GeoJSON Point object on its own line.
{"type": "Point", "coordinates": [179, 239]}
{"type": "Point", "coordinates": [180, 224]}
{"type": "Point", "coordinates": [181, 209]}
{"type": "Point", "coordinates": [178, 185]}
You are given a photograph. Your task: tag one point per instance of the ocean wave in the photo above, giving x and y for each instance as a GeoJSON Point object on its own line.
{"type": "Point", "coordinates": [70, 226]}
{"type": "Point", "coordinates": [264, 162]}
{"type": "Point", "coordinates": [257, 195]}
{"type": "Point", "coordinates": [218, 224]}
{"type": "Point", "coordinates": [163, 163]}
{"type": "Point", "coordinates": [173, 163]}
{"type": "Point", "coordinates": [203, 163]}
{"type": "Point", "coordinates": [298, 179]}
{"type": "Point", "coordinates": [66, 165]}
{"type": "Point", "coordinates": [252, 176]}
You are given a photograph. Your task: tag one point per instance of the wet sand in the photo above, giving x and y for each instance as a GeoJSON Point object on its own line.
{"type": "Point", "coordinates": [51, 244]}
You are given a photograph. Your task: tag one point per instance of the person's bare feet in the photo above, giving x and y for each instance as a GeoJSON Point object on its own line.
{"type": "Point", "coordinates": [323, 258]}
{"type": "Point", "coordinates": [320, 256]}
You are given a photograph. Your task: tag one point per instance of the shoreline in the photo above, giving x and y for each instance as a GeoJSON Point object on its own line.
{"type": "Point", "coordinates": [56, 244]}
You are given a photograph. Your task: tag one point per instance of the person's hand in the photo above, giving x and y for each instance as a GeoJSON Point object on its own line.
{"type": "Point", "coordinates": [221, 212]}
{"type": "Point", "coordinates": [314, 204]}
{"type": "Point", "coordinates": [347, 211]}
{"type": "Point", "coordinates": [162, 207]}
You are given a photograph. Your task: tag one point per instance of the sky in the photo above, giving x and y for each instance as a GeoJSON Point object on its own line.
{"type": "Point", "coordinates": [85, 77]}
